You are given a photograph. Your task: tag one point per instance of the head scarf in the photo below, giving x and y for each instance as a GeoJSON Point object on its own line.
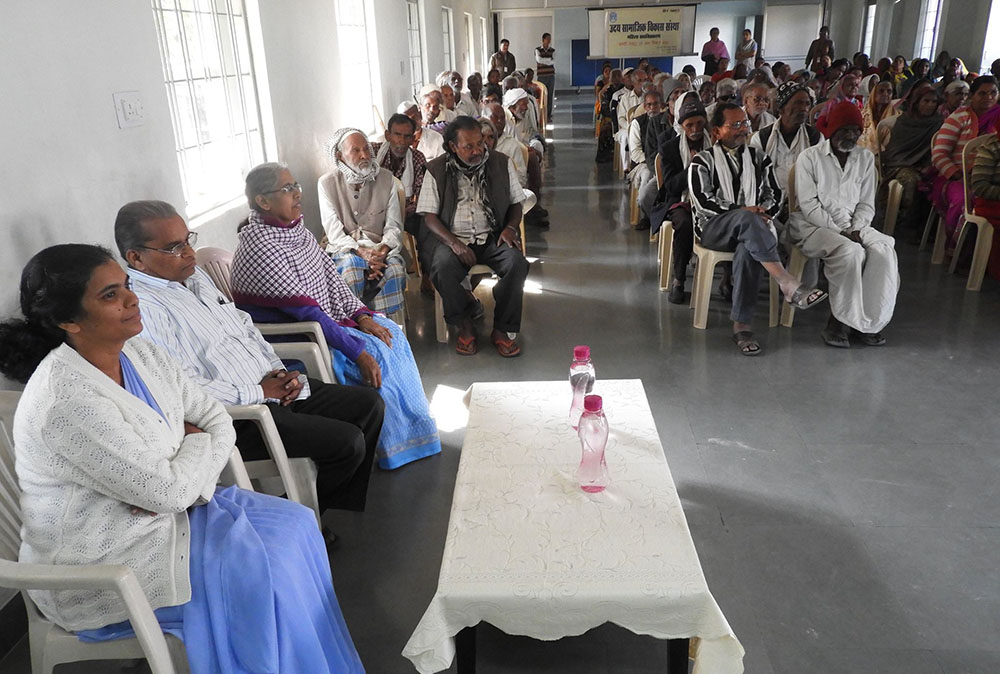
{"type": "Point", "coordinates": [786, 91]}
{"type": "Point", "coordinates": [868, 85]}
{"type": "Point", "coordinates": [955, 85]}
{"type": "Point", "coordinates": [910, 141]}
{"type": "Point", "coordinates": [690, 105]}
{"type": "Point", "coordinates": [351, 175]}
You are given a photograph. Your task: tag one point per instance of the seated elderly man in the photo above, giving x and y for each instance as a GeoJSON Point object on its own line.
{"type": "Point", "coordinates": [519, 123]}
{"type": "Point", "coordinates": [835, 185]}
{"type": "Point", "coordinates": [219, 348]}
{"type": "Point", "coordinates": [735, 196]}
{"type": "Point", "coordinates": [784, 140]}
{"type": "Point", "coordinates": [757, 103]}
{"type": "Point", "coordinates": [406, 164]}
{"type": "Point", "coordinates": [464, 103]}
{"type": "Point", "coordinates": [529, 174]}
{"type": "Point", "coordinates": [428, 141]}
{"type": "Point", "coordinates": [641, 174]}
{"type": "Point", "coordinates": [472, 208]}
{"type": "Point", "coordinates": [363, 222]}
{"type": "Point", "coordinates": [448, 101]}
{"type": "Point", "coordinates": [670, 199]}
{"type": "Point", "coordinates": [630, 99]}
{"type": "Point", "coordinates": [431, 107]}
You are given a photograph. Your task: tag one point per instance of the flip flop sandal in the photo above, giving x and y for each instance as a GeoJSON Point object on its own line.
{"type": "Point", "coordinates": [804, 298]}
{"type": "Point", "coordinates": [507, 348]}
{"type": "Point", "coordinates": [747, 343]}
{"type": "Point", "coordinates": [466, 346]}
{"type": "Point", "coordinates": [872, 339]}
{"type": "Point", "coordinates": [835, 339]}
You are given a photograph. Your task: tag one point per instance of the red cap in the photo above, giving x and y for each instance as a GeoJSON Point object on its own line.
{"type": "Point", "coordinates": [593, 403]}
{"type": "Point", "coordinates": [581, 352]}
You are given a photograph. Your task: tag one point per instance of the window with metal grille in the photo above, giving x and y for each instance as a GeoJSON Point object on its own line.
{"type": "Point", "coordinates": [869, 29]}
{"type": "Point", "coordinates": [355, 46]}
{"type": "Point", "coordinates": [927, 38]}
{"type": "Point", "coordinates": [416, 46]}
{"type": "Point", "coordinates": [449, 45]}
{"type": "Point", "coordinates": [208, 72]}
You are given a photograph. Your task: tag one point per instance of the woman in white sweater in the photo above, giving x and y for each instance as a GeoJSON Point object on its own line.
{"type": "Point", "coordinates": [118, 454]}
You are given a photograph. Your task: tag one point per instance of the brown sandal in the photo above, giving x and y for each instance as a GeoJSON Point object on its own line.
{"type": "Point", "coordinates": [507, 348]}
{"type": "Point", "coordinates": [466, 346]}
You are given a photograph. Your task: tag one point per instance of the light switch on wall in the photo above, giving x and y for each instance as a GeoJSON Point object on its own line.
{"type": "Point", "coordinates": [128, 108]}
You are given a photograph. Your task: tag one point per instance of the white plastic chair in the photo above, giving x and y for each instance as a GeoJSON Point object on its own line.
{"type": "Point", "coordinates": [440, 326]}
{"type": "Point", "coordinates": [797, 259]}
{"type": "Point", "coordinates": [218, 263]}
{"type": "Point", "coordinates": [984, 228]}
{"type": "Point", "coordinates": [50, 645]}
{"type": "Point", "coordinates": [665, 236]}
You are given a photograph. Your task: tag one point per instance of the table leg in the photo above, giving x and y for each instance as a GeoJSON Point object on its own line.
{"type": "Point", "coordinates": [677, 656]}
{"type": "Point", "coordinates": [465, 650]}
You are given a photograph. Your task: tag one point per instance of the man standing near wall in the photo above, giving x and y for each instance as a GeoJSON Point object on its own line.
{"type": "Point", "coordinates": [545, 60]}
{"type": "Point", "coordinates": [503, 60]}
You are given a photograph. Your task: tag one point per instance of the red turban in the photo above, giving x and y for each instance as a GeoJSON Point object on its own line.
{"type": "Point", "coordinates": [844, 113]}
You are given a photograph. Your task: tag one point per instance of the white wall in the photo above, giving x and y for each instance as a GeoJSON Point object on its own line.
{"type": "Point", "coordinates": [67, 167]}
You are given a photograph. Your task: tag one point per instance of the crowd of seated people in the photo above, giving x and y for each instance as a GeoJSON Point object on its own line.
{"type": "Point", "coordinates": [913, 121]}
{"type": "Point", "coordinates": [122, 433]}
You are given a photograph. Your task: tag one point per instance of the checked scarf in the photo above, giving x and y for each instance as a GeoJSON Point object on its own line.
{"type": "Point", "coordinates": [477, 176]}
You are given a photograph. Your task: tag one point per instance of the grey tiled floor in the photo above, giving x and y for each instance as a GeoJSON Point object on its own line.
{"type": "Point", "coordinates": [844, 503]}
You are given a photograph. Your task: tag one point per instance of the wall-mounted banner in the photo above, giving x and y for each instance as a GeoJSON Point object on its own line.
{"type": "Point", "coordinates": [643, 31]}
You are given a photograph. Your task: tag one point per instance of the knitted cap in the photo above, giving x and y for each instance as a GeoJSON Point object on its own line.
{"type": "Point", "coordinates": [787, 90]}
{"type": "Point", "coordinates": [842, 114]}
{"type": "Point", "coordinates": [691, 107]}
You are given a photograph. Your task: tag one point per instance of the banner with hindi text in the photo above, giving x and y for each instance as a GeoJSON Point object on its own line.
{"type": "Point", "coordinates": [643, 31]}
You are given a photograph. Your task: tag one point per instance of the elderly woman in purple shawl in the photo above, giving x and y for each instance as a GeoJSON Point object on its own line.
{"type": "Point", "coordinates": [280, 274]}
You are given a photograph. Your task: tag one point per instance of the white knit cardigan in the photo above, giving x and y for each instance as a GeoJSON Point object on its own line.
{"type": "Point", "coordinates": [88, 451]}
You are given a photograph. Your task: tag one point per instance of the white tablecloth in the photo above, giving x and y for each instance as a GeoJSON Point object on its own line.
{"type": "Point", "coordinates": [532, 554]}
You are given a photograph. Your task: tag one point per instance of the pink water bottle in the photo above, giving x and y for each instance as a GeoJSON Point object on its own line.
{"type": "Point", "coordinates": [581, 380]}
{"type": "Point", "coordinates": [593, 433]}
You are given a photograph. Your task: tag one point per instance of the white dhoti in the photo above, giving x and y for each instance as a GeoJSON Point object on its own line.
{"type": "Point", "coordinates": [864, 277]}
{"type": "Point", "coordinates": [622, 138]}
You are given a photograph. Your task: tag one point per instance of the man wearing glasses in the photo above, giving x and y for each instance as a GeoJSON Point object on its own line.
{"type": "Point", "coordinates": [734, 196]}
{"type": "Point", "coordinates": [221, 350]}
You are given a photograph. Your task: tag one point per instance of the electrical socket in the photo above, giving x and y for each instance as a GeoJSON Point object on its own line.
{"type": "Point", "coordinates": [128, 109]}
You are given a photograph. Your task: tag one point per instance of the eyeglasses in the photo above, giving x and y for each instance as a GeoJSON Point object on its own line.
{"type": "Point", "coordinates": [759, 99]}
{"type": "Point", "coordinates": [287, 189]}
{"type": "Point", "coordinates": [742, 124]}
{"type": "Point", "coordinates": [177, 248]}
{"type": "Point", "coordinates": [726, 97]}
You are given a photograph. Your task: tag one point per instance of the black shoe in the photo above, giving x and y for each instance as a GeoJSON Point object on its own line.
{"type": "Point", "coordinates": [642, 225]}
{"type": "Point", "coordinates": [540, 211]}
{"type": "Point", "coordinates": [676, 294]}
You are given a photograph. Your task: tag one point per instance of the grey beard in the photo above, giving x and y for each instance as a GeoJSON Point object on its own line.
{"type": "Point", "coordinates": [846, 146]}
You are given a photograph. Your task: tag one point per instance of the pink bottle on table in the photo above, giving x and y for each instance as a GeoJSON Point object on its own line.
{"type": "Point", "coordinates": [593, 433]}
{"type": "Point", "coordinates": [581, 380]}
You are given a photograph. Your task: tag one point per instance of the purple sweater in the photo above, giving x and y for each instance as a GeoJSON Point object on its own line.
{"type": "Point", "coordinates": [338, 337]}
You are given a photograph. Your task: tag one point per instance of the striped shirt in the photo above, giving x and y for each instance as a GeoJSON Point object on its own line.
{"type": "Point", "coordinates": [958, 129]}
{"type": "Point", "coordinates": [986, 171]}
{"type": "Point", "coordinates": [216, 343]}
{"type": "Point", "coordinates": [707, 199]}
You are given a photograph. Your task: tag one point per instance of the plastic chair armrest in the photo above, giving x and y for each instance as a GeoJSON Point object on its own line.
{"type": "Point", "coordinates": [261, 416]}
{"type": "Point", "coordinates": [235, 472]}
{"type": "Point", "coordinates": [313, 356]}
{"type": "Point", "coordinates": [310, 328]}
{"type": "Point", "coordinates": [114, 577]}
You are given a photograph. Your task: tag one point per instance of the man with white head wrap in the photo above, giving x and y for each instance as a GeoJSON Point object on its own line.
{"type": "Point", "coordinates": [515, 102]}
{"type": "Point", "coordinates": [363, 222]}
{"type": "Point", "coordinates": [428, 141]}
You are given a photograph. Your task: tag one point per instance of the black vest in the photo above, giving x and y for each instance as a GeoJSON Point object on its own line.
{"type": "Point", "coordinates": [497, 178]}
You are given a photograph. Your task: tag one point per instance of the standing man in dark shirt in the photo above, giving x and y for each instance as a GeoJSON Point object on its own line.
{"type": "Point", "coordinates": [503, 60]}
{"type": "Point", "coordinates": [545, 67]}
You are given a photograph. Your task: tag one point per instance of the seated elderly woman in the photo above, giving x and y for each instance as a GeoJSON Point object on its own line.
{"type": "Point", "coordinates": [975, 119]}
{"type": "Point", "coordinates": [955, 96]}
{"type": "Point", "coordinates": [281, 274]}
{"type": "Point", "coordinates": [359, 206]}
{"type": "Point", "coordinates": [907, 155]}
{"type": "Point", "coordinates": [118, 454]}
{"type": "Point", "coordinates": [986, 194]}
{"type": "Point", "coordinates": [878, 107]}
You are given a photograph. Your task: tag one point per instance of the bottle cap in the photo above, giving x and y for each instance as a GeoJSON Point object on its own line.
{"type": "Point", "coordinates": [581, 352]}
{"type": "Point", "coordinates": [593, 403]}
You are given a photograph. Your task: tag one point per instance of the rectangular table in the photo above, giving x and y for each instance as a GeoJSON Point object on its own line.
{"type": "Point", "coordinates": [532, 554]}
